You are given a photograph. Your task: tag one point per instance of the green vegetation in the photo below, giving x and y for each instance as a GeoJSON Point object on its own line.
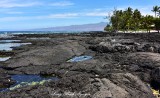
{"type": "Point", "coordinates": [132, 20]}
{"type": "Point", "coordinates": [155, 10]}
{"type": "Point", "coordinates": [157, 24]}
{"type": "Point", "coordinates": [23, 84]}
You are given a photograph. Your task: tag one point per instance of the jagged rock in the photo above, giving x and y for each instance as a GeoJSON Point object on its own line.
{"type": "Point", "coordinates": [149, 48]}
{"type": "Point", "coordinates": [118, 69]}
{"type": "Point", "coordinates": [6, 53]}
{"type": "Point", "coordinates": [134, 68]}
{"type": "Point", "coordinates": [47, 55]}
{"type": "Point", "coordinates": [112, 48]}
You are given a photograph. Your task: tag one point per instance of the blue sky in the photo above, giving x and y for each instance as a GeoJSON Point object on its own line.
{"type": "Point", "coordinates": [29, 14]}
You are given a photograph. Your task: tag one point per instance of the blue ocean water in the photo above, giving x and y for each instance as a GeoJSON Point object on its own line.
{"type": "Point", "coordinates": [10, 34]}
{"type": "Point", "coordinates": [37, 32]}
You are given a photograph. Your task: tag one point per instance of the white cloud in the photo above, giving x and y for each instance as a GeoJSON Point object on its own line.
{"type": "Point", "coordinates": [101, 12]}
{"type": "Point", "coordinates": [62, 4]}
{"type": "Point", "coordinates": [93, 13]}
{"type": "Point", "coordinates": [64, 15]}
{"type": "Point", "coordinates": [8, 19]}
{"type": "Point", "coordinates": [96, 14]}
{"type": "Point", "coordinates": [16, 3]}
{"type": "Point", "coordinates": [28, 3]}
{"type": "Point", "coordinates": [52, 16]}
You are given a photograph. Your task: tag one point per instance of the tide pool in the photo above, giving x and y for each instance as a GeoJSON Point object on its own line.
{"type": "Point", "coordinates": [8, 46]}
{"type": "Point", "coordinates": [9, 41]}
{"type": "Point", "coordinates": [4, 58]}
{"type": "Point", "coordinates": [80, 58]}
{"type": "Point", "coordinates": [28, 80]}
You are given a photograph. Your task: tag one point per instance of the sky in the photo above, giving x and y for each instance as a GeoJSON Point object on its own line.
{"type": "Point", "coordinates": [31, 14]}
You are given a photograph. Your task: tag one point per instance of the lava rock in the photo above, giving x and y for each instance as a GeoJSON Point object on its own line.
{"type": "Point", "coordinates": [149, 48]}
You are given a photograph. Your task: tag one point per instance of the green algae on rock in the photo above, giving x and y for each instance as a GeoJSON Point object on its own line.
{"type": "Point", "coordinates": [23, 84]}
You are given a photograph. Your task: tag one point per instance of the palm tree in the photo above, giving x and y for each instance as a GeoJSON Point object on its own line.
{"type": "Point", "coordinates": [136, 19]}
{"type": "Point", "coordinates": [155, 10]}
{"type": "Point", "coordinates": [159, 12]}
{"type": "Point", "coordinates": [129, 21]}
{"type": "Point", "coordinates": [116, 19]}
{"type": "Point", "coordinates": [147, 21]}
{"type": "Point", "coordinates": [129, 11]}
{"type": "Point", "coordinates": [157, 24]}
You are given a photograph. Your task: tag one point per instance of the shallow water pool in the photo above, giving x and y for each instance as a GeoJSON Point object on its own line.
{"type": "Point", "coordinates": [8, 44]}
{"type": "Point", "coordinates": [9, 41]}
{"type": "Point", "coordinates": [4, 59]}
{"type": "Point", "coordinates": [80, 58]}
{"type": "Point", "coordinates": [26, 80]}
{"type": "Point", "coordinates": [30, 78]}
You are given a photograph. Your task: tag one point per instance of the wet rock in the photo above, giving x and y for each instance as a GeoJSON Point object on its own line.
{"type": "Point", "coordinates": [6, 53]}
{"type": "Point", "coordinates": [47, 55]}
{"type": "Point", "coordinates": [155, 75]}
{"type": "Point", "coordinates": [5, 81]}
{"type": "Point", "coordinates": [30, 69]}
{"type": "Point", "coordinates": [75, 85]}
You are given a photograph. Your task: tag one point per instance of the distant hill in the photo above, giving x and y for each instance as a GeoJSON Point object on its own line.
{"type": "Point", "coordinates": [86, 27]}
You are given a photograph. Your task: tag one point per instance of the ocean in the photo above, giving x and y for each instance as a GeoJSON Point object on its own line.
{"type": "Point", "coordinates": [9, 34]}
{"type": "Point", "coordinates": [37, 32]}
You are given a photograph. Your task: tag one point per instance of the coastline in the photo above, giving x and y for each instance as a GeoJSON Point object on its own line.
{"type": "Point", "coordinates": [121, 65]}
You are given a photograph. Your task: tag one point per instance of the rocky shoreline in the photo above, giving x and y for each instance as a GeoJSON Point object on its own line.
{"type": "Point", "coordinates": [122, 65]}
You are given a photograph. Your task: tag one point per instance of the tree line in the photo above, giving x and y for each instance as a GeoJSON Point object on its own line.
{"type": "Point", "coordinates": [132, 20]}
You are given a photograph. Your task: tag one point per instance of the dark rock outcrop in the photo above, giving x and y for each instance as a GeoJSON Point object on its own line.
{"type": "Point", "coordinates": [123, 65]}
